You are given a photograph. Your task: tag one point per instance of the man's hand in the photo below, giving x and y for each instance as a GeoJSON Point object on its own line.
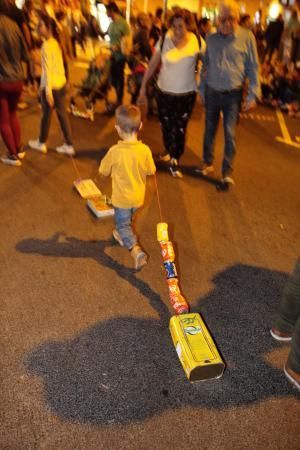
{"type": "Point", "coordinates": [248, 105]}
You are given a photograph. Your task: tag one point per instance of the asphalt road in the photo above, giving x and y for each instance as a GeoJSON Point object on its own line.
{"type": "Point", "coordinates": [86, 357]}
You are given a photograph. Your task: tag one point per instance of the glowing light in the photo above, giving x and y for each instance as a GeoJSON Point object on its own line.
{"type": "Point", "coordinates": [275, 10]}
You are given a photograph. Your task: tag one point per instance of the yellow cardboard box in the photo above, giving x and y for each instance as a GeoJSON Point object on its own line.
{"type": "Point", "coordinates": [195, 348]}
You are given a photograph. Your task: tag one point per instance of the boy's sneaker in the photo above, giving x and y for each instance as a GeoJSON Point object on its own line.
{"type": "Point", "coordinates": [117, 237]}
{"type": "Point", "coordinates": [205, 169]}
{"type": "Point", "coordinates": [292, 376]}
{"type": "Point", "coordinates": [165, 158]}
{"type": "Point", "coordinates": [139, 257]}
{"type": "Point", "coordinates": [66, 149]}
{"type": "Point", "coordinates": [11, 160]}
{"type": "Point", "coordinates": [280, 336]}
{"type": "Point", "coordinates": [175, 172]}
{"type": "Point", "coordinates": [35, 144]}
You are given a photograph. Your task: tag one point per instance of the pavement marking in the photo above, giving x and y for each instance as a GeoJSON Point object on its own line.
{"type": "Point", "coordinates": [259, 117]}
{"type": "Point", "coordinates": [286, 137]}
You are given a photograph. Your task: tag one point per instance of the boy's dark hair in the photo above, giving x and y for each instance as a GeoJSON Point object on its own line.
{"type": "Point", "coordinates": [128, 118]}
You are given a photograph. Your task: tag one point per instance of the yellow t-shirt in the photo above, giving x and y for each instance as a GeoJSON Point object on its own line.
{"type": "Point", "coordinates": [128, 164]}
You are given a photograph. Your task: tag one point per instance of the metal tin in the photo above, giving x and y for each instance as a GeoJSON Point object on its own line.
{"type": "Point", "coordinates": [167, 251]}
{"type": "Point", "coordinates": [170, 268]}
{"type": "Point", "coordinates": [162, 232]}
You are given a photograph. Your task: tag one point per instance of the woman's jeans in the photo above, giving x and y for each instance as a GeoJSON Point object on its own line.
{"type": "Point", "coordinates": [174, 112]}
{"type": "Point", "coordinates": [229, 103]}
{"type": "Point", "coordinates": [288, 320]}
{"type": "Point", "coordinates": [59, 96]}
{"type": "Point", "coordinates": [10, 130]}
{"type": "Point", "coordinates": [123, 222]}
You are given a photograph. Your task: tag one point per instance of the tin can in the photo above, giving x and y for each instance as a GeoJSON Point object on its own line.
{"type": "Point", "coordinates": [170, 268]}
{"type": "Point", "coordinates": [162, 232]}
{"type": "Point", "coordinates": [167, 251]}
{"type": "Point", "coordinates": [179, 304]}
{"type": "Point", "coordinates": [173, 286]}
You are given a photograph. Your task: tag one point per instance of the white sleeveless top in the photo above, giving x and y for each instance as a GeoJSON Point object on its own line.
{"type": "Point", "coordinates": [177, 73]}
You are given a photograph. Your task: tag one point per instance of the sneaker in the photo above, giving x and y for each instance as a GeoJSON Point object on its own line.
{"type": "Point", "coordinates": [292, 376]}
{"type": "Point", "coordinates": [35, 144]}
{"type": "Point", "coordinates": [228, 180]}
{"type": "Point", "coordinates": [117, 237]}
{"type": "Point", "coordinates": [66, 149]}
{"type": "Point", "coordinates": [165, 158]}
{"type": "Point", "coordinates": [11, 160]}
{"type": "Point", "coordinates": [21, 153]}
{"type": "Point", "coordinates": [175, 172]}
{"type": "Point", "coordinates": [279, 336]}
{"type": "Point", "coordinates": [205, 169]}
{"type": "Point", "coordinates": [139, 257]}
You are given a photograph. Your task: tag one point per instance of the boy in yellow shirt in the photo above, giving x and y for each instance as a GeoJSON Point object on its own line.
{"type": "Point", "coordinates": [128, 163]}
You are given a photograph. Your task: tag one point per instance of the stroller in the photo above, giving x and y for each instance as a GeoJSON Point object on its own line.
{"type": "Point", "coordinates": [94, 87]}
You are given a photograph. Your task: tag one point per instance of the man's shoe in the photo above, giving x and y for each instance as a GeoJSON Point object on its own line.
{"type": "Point", "coordinates": [279, 336]}
{"type": "Point", "coordinates": [139, 257]}
{"type": "Point", "coordinates": [175, 172]}
{"type": "Point", "coordinates": [66, 149]}
{"type": "Point", "coordinates": [292, 376]}
{"type": "Point", "coordinates": [35, 144]}
{"type": "Point", "coordinates": [165, 158]}
{"type": "Point", "coordinates": [117, 237]}
{"type": "Point", "coordinates": [11, 160]}
{"type": "Point", "coordinates": [225, 184]}
{"type": "Point", "coordinates": [205, 169]}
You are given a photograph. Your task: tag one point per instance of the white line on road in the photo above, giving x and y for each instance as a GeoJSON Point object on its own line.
{"type": "Point", "coordinates": [286, 139]}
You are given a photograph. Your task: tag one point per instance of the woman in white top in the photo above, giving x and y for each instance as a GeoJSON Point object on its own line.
{"type": "Point", "coordinates": [178, 53]}
{"type": "Point", "coordinates": [53, 88]}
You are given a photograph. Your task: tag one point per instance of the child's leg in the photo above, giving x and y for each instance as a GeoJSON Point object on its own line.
{"type": "Point", "coordinates": [123, 222]}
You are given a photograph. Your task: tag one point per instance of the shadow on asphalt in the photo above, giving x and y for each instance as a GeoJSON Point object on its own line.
{"type": "Point", "coordinates": [191, 171]}
{"type": "Point", "coordinates": [126, 369]}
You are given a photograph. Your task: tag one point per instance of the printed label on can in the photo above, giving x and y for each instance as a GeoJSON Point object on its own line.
{"type": "Point", "coordinates": [171, 271]}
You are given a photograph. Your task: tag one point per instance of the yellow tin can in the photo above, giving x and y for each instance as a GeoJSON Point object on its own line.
{"type": "Point", "coordinates": [195, 348]}
{"type": "Point", "coordinates": [162, 232]}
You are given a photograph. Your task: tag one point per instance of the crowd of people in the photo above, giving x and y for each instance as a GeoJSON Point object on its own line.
{"type": "Point", "coordinates": [172, 57]}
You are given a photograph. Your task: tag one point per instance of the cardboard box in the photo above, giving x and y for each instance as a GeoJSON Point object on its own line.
{"type": "Point", "coordinates": [195, 348]}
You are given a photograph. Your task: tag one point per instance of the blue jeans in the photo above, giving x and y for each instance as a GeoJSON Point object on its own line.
{"type": "Point", "coordinates": [123, 222]}
{"type": "Point", "coordinates": [229, 103]}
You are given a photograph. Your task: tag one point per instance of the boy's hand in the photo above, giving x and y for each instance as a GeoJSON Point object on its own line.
{"type": "Point", "coordinates": [50, 99]}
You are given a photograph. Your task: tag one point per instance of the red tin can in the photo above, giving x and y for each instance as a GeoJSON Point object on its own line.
{"type": "Point", "coordinates": [167, 251]}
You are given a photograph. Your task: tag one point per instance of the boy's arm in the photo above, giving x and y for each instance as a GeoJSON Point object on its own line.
{"type": "Point", "coordinates": [105, 165]}
{"type": "Point", "coordinates": [151, 169]}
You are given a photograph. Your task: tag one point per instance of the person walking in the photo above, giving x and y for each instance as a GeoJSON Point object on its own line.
{"type": "Point", "coordinates": [230, 59]}
{"type": "Point", "coordinates": [53, 89]}
{"type": "Point", "coordinates": [178, 53]}
{"type": "Point", "coordinates": [128, 163]}
{"type": "Point", "coordinates": [13, 51]}
{"type": "Point", "coordinates": [119, 34]}
{"type": "Point", "coordinates": [286, 327]}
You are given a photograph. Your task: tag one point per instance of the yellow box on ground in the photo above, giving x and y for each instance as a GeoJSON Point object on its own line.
{"type": "Point", "coordinates": [195, 348]}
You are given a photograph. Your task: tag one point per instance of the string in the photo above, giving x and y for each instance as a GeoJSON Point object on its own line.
{"type": "Point", "coordinates": [158, 199]}
{"type": "Point", "coordinates": [76, 168]}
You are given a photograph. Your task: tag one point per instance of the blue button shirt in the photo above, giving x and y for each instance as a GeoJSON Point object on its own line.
{"type": "Point", "coordinates": [229, 60]}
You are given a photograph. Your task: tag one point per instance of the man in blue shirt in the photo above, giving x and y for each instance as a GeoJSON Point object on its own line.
{"type": "Point", "coordinates": [230, 59]}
